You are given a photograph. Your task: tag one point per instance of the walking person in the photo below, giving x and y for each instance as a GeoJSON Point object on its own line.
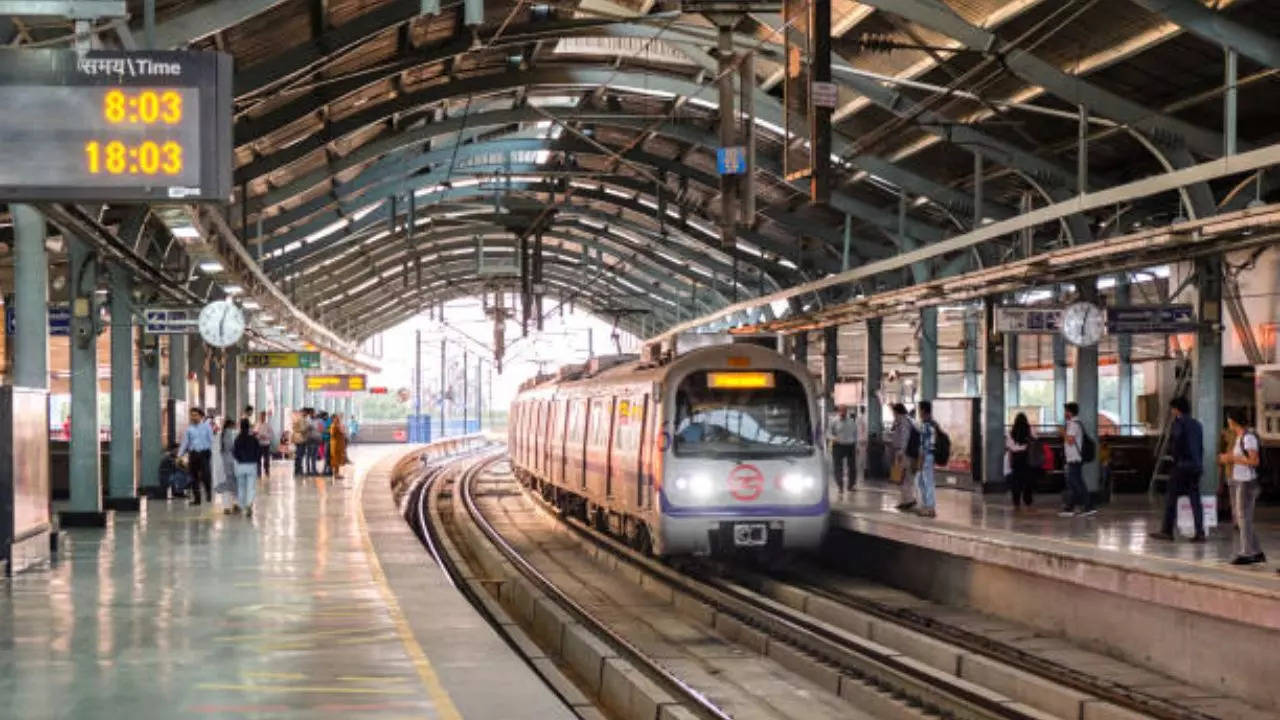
{"type": "Point", "coordinates": [298, 436]}
{"type": "Point", "coordinates": [230, 502]}
{"type": "Point", "coordinates": [1242, 479]}
{"type": "Point", "coordinates": [844, 444]}
{"type": "Point", "coordinates": [924, 475]}
{"type": "Point", "coordinates": [263, 433]}
{"type": "Point", "coordinates": [197, 445]}
{"type": "Point", "coordinates": [245, 451]}
{"type": "Point", "coordinates": [326, 421]}
{"type": "Point", "coordinates": [902, 468]}
{"type": "Point", "coordinates": [337, 445]}
{"type": "Point", "coordinates": [1019, 470]}
{"type": "Point", "coordinates": [1077, 501]}
{"type": "Point", "coordinates": [1186, 442]}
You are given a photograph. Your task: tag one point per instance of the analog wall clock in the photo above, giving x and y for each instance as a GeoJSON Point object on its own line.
{"type": "Point", "coordinates": [1083, 324]}
{"type": "Point", "coordinates": [221, 323]}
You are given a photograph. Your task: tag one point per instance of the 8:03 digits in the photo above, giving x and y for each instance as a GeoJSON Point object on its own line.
{"type": "Point", "coordinates": [147, 107]}
{"type": "Point", "coordinates": [147, 158]}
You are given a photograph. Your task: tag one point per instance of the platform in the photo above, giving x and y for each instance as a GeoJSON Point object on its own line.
{"type": "Point", "coordinates": [308, 610]}
{"type": "Point", "coordinates": [1098, 580]}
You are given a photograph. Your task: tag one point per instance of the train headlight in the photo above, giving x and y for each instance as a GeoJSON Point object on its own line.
{"type": "Point", "coordinates": [698, 486]}
{"type": "Point", "coordinates": [797, 483]}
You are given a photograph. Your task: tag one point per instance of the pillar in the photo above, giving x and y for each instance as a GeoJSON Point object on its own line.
{"type": "Point", "coordinates": [122, 482]}
{"type": "Point", "coordinates": [1012, 375]}
{"type": "Point", "coordinates": [178, 368]}
{"type": "Point", "coordinates": [1207, 382]}
{"type": "Point", "coordinates": [971, 343]}
{"type": "Point", "coordinates": [150, 434]}
{"type": "Point", "coordinates": [241, 377]}
{"type": "Point", "coordinates": [800, 347]}
{"type": "Point", "coordinates": [30, 299]}
{"type": "Point", "coordinates": [85, 464]}
{"type": "Point", "coordinates": [229, 399]}
{"type": "Point", "coordinates": [1059, 377]}
{"type": "Point", "coordinates": [443, 373]}
{"type": "Point", "coordinates": [830, 365]}
{"type": "Point", "coordinates": [1087, 385]}
{"type": "Point", "coordinates": [200, 365]}
{"type": "Point", "coordinates": [928, 389]}
{"type": "Point", "coordinates": [993, 387]}
{"type": "Point", "coordinates": [875, 371]}
{"type": "Point", "coordinates": [278, 406]}
{"type": "Point", "coordinates": [299, 388]}
{"type": "Point", "coordinates": [259, 391]}
{"type": "Point", "coordinates": [1124, 361]}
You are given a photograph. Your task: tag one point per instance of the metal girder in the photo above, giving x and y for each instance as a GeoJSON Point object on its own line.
{"type": "Point", "coordinates": [206, 19]}
{"type": "Point", "coordinates": [1214, 26]}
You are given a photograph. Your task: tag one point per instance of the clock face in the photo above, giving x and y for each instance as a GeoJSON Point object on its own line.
{"type": "Point", "coordinates": [1082, 324]}
{"type": "Point", "coordinates": [221, 323]}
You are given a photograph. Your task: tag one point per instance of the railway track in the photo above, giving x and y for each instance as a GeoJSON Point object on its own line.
{"type": "Point", "coordinates": [873, 678]}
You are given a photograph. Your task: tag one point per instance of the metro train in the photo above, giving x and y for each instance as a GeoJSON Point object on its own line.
{"type": "Point", "coordinates": [713, 452]}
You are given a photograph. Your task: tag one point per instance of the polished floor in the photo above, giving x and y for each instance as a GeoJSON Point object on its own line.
{"type": "Point", "coordinates": [1118, 531]}
{"type": "Point", "coordinates": [183, 611]}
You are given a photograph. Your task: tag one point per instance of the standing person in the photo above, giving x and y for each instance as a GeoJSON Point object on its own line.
{"type": "Point", "coordinates": [313, 442]}
{"type": "Point", "coordinates": [1077, 500]}
{"type": "Point", "coordinates": [325, 436]}
{"type": "Point", "coordinates": [924, 476]}
{"type": "Point", "coordinates": [1243, 459]}
{"type": "Point", "coordinates": [337, 445]}
{"type": "Point", "coordinates": [248, 414]}
{"type": "Point", "coordinates": [197, 445]}
{"type": "Point", "coordinates": [902, 468]}
{"type": "Point", "coordinates": [263, 433]}
{"type": "Point", "coordinates": [844, 443]}
{"type": "Point", "coordinates": [1017, 446]}
{"type": "Point", "coordinates": [298, 436]}
{"type": "Point", "coordinates": [245, 451]}
{"type": "Point", "coordinates": [228, 487]}
{"type": "Point", "coordinates": [1186, 442]}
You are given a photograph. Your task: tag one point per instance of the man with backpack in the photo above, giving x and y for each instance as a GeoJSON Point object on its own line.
{"type": "Point", "coordinates": [926, 443]}
{"type": "Point", "coordinates": [1078, 449]}
{"type": "Point", "coordinates": [1242, 460]}
{"type": "Point", "coordinates": [1186, 443]}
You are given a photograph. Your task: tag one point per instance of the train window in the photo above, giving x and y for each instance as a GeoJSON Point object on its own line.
{"type": "Point", "coordinates": [714, 421]}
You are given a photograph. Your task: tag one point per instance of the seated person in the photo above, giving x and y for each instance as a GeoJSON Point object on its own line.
{"type": "Point", "coordinates": [173, 474]}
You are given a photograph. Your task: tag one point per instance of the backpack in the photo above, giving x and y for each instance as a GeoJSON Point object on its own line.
{"type": "Point", "coordinates": [913, 443]}
{"type": "Point", "coordinates": [1035, 454]}
{"type": "Point", "coordinates": [1088, 448]}
{"type": "Point", "coordinates": [1260, 471]}
{"type": "Point", "coordinates": [941, 446]}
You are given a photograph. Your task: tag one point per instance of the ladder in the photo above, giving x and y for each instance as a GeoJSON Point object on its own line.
{"type": "Point", "coordinates": [1182, 383]}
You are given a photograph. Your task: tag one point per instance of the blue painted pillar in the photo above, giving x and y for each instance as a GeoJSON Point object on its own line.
{"type": "Point", "coordinates": [1059, 378]}
{"type": "Point", "coordinates": [1012, 375]}
{"type": "Point", "coordinates": [85, 464]}
{"type": "Point", "coordinates": [1207, 404]}
{"type": "Point", "coordinates": [1087, 386]}
{"type": "Point", "coordinates": [928, 353]}
{"type": "Point", "coordinates": [972, 341]}
{"type": "Point", "coordinates": [30, 299]}
{"type": "Point", "coordinates": [1124, 361]}
{"type": "Point", "coordinates": [993, 387]}
{"type": "Point", "coordinates": [122, 482]}
{"type": "Point", "coordinates": [875, 371]}
{"type": "Point", "coordinates": [151, 435]}
{"type": "Point", "coordinates": [178, 368]}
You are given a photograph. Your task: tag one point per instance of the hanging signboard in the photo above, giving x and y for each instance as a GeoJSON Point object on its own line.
{"type": "Point", "coordinates": [1150, 319]}
{"type": "Point", "coordinates": [59, 319]}
{"type": "Point", "coordinates": [336, 383]}
{"type": "Point", "coordinates": [823, 94]}
{"type": "Point", "coordinates": [1029, 320]}
{"type": "Point", "coordinates": [170, 321]}
{"type": "Point", "coordinates": [731, 160]}
{"type": "Point", "coordinates": [115, 125]}
{"type": "Point", "coordinates": [266, 360]}
{"type": "Point", "coordinates": [740, 7]}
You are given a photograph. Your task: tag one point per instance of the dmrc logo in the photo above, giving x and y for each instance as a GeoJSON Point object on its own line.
{"type": "Point", "coordinates": [746, 483]}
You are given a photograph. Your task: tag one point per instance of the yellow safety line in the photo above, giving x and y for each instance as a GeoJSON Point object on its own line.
{"type": "Point", "coordinates": [426, 673]}
{"type": "Point", "coordinates": [324, 689]}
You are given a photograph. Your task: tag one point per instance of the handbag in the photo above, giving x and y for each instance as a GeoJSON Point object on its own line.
{"type": "Point", "coordinates": [896, 472]}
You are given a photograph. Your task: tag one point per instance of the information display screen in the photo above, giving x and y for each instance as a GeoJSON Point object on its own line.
{"type": "Point", "coordinates": [263, 360]}
{"type": "Point", "coordinates": [114, 126]}
{"type": "Point", "coordinates": [335, 383]}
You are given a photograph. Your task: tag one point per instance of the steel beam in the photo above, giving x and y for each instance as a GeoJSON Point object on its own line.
{"type": "Point", "coordinates": [1216, 27]}
{"type": "Point", "coordinates": [207, 19]}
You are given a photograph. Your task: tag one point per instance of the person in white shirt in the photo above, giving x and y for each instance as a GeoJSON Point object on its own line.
{"type": "Point", "coordinates": [1077, 500]}
{"type": "Point", "coordinates": [1243, 458]}
{"type": "Point", "coordinates": [843, 433]}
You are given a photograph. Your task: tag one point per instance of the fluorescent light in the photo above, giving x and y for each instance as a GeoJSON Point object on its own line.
{"type": "Point", "coordinates": [185, 232]}
{"type": "Point", "coordinates": [232, 289]}
{"type": "Point", "coordinates": [250, 304]}
{"type": "Point", "coordinates": [210, 267]}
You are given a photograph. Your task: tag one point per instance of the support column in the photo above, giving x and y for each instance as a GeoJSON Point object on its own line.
{"type": "Point", "coordinates": [443, 373]}
{"type": "Point", "coordinates": [230, 386]}
{"type": "Point", "coordinates": [25, 541]}
{"type": "Point", "coordinates": [928, 389]}
{"type": "Point", "coordinates": [800, 347]}
{"type": "Point", "coordinates": [972, 339]}
{"type": "Point", "coordinates": [1124, 361]}
{"type": "Point", "coordinates": [85, 465]}
{"type": "Point", "coordinates": [1059, 377]}
{"type": "Point", "coordinates": [1087, 385]}
{"type": "Point", "coordinates": [299, 388]}
{"type": "Point", "coordinates": [122, 482]}
{"type": "Point", "coordinates": [178, 368]}
{"type": "Point", "coordinates": [465, 413]}
{"type": "Point", "coordinates": [259, 392]}
{"type": "Point", "coordinates": [279, 407]}
{"type": "Point", "coordinates": [1012, 375]}
{"type": "Point", "coordinates": [1207, 382]}
{"type": "Point", "coordinates": [200, 366]}
{"type": "Point", "coordinates": [820, 117]}
{"type": "Point", "coordinates": [830, 365]}
{"type": "Point", "coordinates": [875, 371]}
{"type": "Point", "coordinates": [242, 384]}
{"type": "Point", "coordinates": [151, 435]}
{"type": "Point", "coordinates": [993, 387]}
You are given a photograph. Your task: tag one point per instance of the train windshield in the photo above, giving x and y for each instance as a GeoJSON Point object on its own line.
{"type": "Point", "coordinates": [719, 415]}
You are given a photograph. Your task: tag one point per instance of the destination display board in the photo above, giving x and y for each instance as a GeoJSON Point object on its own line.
{"type": "Point", "coordinates": [336, 383]}
{"type": "Point", "coordinates": [120, 126]}
{"type": "Point", "coordinates": [1150, 319]}
{"type": "Point", "coordinates": [1029, 320]}
{"type": "Point", "coordinates": [267, 360]}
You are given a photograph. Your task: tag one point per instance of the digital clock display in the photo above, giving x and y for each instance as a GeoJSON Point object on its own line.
{"type": "Point", "coordinates": [114, 126]}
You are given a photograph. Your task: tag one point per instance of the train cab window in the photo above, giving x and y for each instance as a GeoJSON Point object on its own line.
{"type": "Point", "coordinates": [721, 416]}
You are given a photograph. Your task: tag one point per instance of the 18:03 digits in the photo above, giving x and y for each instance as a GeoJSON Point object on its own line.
{"type": "Point", "coordinates": [146, 158]}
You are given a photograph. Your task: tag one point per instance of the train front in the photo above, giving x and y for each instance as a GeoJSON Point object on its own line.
{"type": "Point", "coordinates": [742, 467]}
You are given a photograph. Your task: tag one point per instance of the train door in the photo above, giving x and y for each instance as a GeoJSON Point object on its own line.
{"type": "Point", "coordinates": [611, 419]}
{"type": "Point", "coordinates": [576, 445]}
{"type": "Point", "coordinates": [517, 437]}
{"type": "Point", "coordinates": [643, 449]}
{"type": "Point", "coordinates": [539, 435]}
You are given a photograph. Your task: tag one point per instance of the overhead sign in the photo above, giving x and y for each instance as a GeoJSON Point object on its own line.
{"type": "Point", "coordinates": [1029, 320]}
{"type": "Point", "coordinates": [1152, 319]}
{"type": "Point", "coordinates": [59, 320]}
{"type": "Point", "coordinates": [378, 390]}
{"type": "Point", "coordinates": [730, 6]}
{"type": "Point", "coordinates": [262, 360]}
{"type": "Point", "coordinates": [170, 321]}
{"type": "Point", "coordinates": [824, 94]}
{"type": "Point", "coordinates": [731, 160]}
{"type": "Point", "coordinates": [115, 125]}
{"type": "Point", "coordinates": [335, 383]}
